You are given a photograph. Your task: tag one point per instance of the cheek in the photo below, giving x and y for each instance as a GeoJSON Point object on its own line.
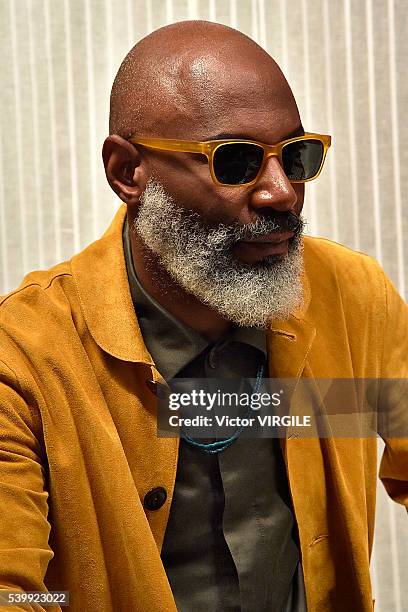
{"type": "Point", "coordinates": [224, 204]}
{"type": "Point", "coordinates": [192, 187]}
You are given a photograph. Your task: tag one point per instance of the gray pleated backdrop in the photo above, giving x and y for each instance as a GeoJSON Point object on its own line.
{"type": "Point", "coordinates": [347, 64]}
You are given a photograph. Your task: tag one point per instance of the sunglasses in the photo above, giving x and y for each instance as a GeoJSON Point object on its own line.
{"type": "Point", "coordinates": [235, 162]}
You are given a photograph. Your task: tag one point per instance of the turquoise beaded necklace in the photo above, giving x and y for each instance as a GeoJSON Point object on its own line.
{"type": "Point", "coordinates": [222, 445]}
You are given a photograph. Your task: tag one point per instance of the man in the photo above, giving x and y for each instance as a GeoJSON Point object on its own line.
{"type": "Point", "coordinates": [204, 272]}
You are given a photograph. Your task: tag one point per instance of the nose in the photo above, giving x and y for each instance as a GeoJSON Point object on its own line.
{"type": "Point", "coordinates": [273, 188]}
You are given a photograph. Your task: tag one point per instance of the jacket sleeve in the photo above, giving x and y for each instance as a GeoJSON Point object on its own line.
{"type": "Point", "coordinates": [24, 528]}
{"type": "Point", "coordinates": [394, 462]}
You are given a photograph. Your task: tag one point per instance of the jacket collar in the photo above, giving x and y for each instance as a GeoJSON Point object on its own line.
{"type": "Point", "coordinates": [101, 280]}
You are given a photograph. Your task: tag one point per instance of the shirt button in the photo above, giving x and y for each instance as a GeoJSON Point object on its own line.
{"type": "Point", "coordinates": [152, 385]}
{"type": "Point", "coordinates": [213, 359]}
{"type": "Point", "coordinates": [157, 388]}
{"type": "Point", "coordinates": [154, 499]}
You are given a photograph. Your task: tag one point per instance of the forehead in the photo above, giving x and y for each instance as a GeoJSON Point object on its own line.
{"type": "Point", "coordinates": [269, 124]}
{"type": "Point", "coordinates": [243, 98]}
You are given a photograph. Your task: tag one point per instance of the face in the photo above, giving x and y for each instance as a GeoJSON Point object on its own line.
{"type": "Point", "coordinates": [251, 101]}
{"type": "Point", "coordinates": [238, 249]}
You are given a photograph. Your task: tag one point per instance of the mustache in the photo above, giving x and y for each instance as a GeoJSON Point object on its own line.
{"type": "Point", "coordinates": [269, 224]}
{"type": "Point", "coordinates": [222, 237]}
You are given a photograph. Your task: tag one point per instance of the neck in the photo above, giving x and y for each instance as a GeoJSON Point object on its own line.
{"type": "Point", "coordinates": [184, 306]}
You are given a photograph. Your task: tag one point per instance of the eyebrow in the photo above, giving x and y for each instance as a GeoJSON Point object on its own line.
{"type": "Point", "coordinates": [299, 131]}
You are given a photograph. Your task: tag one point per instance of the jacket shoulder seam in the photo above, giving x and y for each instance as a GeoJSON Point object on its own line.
{"type": "Point", "coordinates": [32, 284]}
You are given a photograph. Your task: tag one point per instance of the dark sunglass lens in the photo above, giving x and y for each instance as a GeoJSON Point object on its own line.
{"type": "Point", "coordinates": [302, 159]}
{"type": "Point", "coordinates": [237, 163]}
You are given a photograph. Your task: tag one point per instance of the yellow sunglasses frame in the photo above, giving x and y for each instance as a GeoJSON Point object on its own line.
{"type": "Point", "coordinates": [209, 147]}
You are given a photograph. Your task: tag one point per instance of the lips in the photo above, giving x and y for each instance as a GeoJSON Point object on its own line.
{"type": "Point", "coordinates": [274, 238]}
{"type": "Point", "coordinates": [253, 251]}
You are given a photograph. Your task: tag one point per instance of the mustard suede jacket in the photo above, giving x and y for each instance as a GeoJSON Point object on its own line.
{"type": "Point", "coordinates": [78, 443]}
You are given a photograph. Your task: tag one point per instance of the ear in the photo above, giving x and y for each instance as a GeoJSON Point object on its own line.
{"type": "Point", "coordinates": [125, 169]}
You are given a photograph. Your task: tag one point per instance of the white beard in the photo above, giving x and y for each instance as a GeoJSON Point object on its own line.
{"type": "Point", "coordinates": [199, 258]}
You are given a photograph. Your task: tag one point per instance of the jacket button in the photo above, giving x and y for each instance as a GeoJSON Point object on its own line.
{"type": "Point", "coordinates": [154, 499]}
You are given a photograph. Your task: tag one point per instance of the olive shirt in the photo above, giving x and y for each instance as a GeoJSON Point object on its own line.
{"type": "Point", "coordinates": [231, 541]}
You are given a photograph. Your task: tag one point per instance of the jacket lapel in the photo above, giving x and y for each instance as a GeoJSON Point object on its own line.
{"type": "Point", "coordinates": [102, 284]}
{"type": "Point", "coordinates": [290, 340]}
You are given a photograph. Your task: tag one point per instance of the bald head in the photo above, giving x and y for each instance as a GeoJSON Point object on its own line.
{"type": "Point", "coordinates": [179, 81]}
